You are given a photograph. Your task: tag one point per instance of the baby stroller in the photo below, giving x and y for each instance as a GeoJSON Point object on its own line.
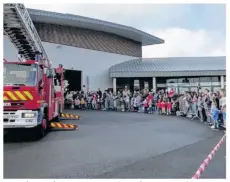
{"type": "Point", "coordinates": [68, 103]}
{"type": "Point", "coordinates": [175, 108]}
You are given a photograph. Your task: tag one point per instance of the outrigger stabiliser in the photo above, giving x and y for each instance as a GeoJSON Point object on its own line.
{"type": "Point", "coordinates": [69, 116]}
{"type": "Point", "coordinates": [63, 126]}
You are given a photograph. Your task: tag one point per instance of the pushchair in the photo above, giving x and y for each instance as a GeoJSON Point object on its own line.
{"type": "Point", "coordinates": [175, 108]}
{"type": "Point", "coordinates": [68, 103]}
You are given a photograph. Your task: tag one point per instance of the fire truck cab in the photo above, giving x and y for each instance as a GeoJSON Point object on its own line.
{"type": "Point", "coordinates": [30, 99]}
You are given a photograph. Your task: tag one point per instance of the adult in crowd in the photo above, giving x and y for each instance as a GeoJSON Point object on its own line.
{"type": "Point", "coordinates": [222, 104]}
{"type": "Point", "coordinates": [99, 93]}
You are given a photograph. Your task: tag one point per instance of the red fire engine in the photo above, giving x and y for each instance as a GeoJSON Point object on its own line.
{"type": "Point", "coordinates": [33, 91]}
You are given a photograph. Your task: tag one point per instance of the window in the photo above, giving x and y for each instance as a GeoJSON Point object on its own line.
{"type": "Point", "coordinates": [196, 80]}
{"type": "Point", "coordinates": [193, 81]}
{"type": "Point", "coordinates": [215, 89]}
{"type": "Point", "coordinates": [171, 80]}
{"type": "Point", "coordinates": [190, 80]}
{"type": "Point", "coordinates": [183, 90]}
{"type": "Point", "coordinates": [205, 81]}
{"type": "Point", "coordinates": [182, 80]}
{"type": "Point", "coordinates": [20, 74]}
{"type": "Point", "coordinates": [161, 80]}
{"type": "Point", "coordinates": [136, 84]}
{"type": "Point", "coordinates": [216, 80]}
{"type": "Point", "coordinates": [146, 85]}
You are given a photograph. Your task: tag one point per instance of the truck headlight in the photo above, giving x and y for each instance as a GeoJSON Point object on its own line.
{"type": "Point", "coordinates": [28, 115]}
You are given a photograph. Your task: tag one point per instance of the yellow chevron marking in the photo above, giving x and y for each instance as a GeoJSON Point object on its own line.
{"type": "Point", "coordinates": [20, 95]}
{"type": "Point", "coordinates": [11, 95]}
{"type": "Point", "coordinates": [5, 98]}
{"type": "Point", "coordinates": [67, 115]}
{"type": "Point", "coordinates": [66, 126]}
{"type": "Point", "coordinates": [53, 125]}
{"type": "Point", "coordinates": [59, 125]}
{"type": "Point", "coordinates": [63, 115]}
{"type": "Point", "coordinates": [28, 95]}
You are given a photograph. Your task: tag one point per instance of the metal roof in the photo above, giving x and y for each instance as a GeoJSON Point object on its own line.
{"type": "Point", "coordinates": [173, 66]}
{"type": "Point", "coordinates": [94, 24]}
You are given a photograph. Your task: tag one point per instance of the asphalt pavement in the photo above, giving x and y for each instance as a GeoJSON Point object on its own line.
{"type": "Point", "coordinates": [118, 145]}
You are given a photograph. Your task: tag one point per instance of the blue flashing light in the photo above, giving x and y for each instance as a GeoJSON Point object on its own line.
{"type": "Point", "coordinates": [37, 57]}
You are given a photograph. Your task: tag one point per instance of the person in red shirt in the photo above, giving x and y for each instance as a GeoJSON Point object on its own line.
{"type": "Point", "coordinates": [169, 107]}
{"type": "Point", "coordinates": [159, 106]}
{"type": "Point", "coordinates": [150, 97]}
{"type": "Point", "coordinates": [145, 105]}
{"type": "Point", "coordinates": [163, 107]}
{"type": "Point", "coordinates": [171, 93]}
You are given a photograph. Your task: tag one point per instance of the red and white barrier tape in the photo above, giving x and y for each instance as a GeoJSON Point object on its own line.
{"type": "Point", "coordinates": [208, 159]}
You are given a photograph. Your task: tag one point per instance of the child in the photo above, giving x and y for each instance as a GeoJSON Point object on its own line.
{"type": "Point", "coordinates": [169, 107]}
{"type": "Point", "coordinates": [215, 116]}
{"type": "Point", "coordinates": [89, 102]}
{"type": "Point", "coordinates": [122, 103]}
{"type": "Point", "coordinates": [127, 106]}
{"type": "Point", "coordinates": [114, 102]}
{"type": "Point", "coordinates": [132, 104]}
{"type": "Point", "coordinates": [150, 106]}
{"type": "Point", "coordinates": [135, 104]}
{"type": "Point", "coordinates": [163, 107]}
{"type": "Point", "coordinates": [139, 102]}
{"type": "Point", "coordinates": [98, 103]}
{"type": "Point", "coordinates": [77, 103]}
{"type": "Point", "coordinates": [94, 102]}
{"type": "Point", "coordinates": [145, 105]}
{"type": "Point", "coordinates": [82, 103]}
{"type": "Point", "coordinates": [159, 107]}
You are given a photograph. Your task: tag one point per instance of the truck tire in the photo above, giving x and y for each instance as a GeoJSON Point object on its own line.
{"type": "Point", "coordinates": [42, 129]}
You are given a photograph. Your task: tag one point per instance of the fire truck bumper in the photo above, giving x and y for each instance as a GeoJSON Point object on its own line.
{"type": "Point", "coordinates": [20, 119]}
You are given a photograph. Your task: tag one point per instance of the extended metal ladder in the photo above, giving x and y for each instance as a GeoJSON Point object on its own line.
{"type": "Point", "coordinates": [20, 29]}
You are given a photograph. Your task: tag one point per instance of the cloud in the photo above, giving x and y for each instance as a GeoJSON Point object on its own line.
{"type": "Point", "coordinates": [184, 42]}
{"type": "Point", "coordinates": [137, 15]}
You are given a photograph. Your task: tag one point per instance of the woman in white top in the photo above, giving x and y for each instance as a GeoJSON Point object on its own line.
{"type": "Point", "coordinates": [222, 104]}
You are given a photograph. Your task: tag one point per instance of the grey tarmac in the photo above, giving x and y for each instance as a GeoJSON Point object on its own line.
{"type": "Point", "coordinates": [118, 145]}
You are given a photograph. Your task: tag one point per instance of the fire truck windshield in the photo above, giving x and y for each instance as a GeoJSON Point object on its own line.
{"type": "Point", "coordinates": [20, 74]}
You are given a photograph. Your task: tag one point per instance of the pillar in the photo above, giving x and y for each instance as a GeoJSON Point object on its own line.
{"type": "Point", "coordinates": [154, 84]}
{"type": "Point", "coordinates": [222, 82]}
{"type": "Point", "coordinates": [114, 85]}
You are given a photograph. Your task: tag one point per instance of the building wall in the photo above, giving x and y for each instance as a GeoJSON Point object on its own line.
{"type": "Point", "coordinates": [94, 64]}
{"type": "Point", "coordinates": [88, 39]}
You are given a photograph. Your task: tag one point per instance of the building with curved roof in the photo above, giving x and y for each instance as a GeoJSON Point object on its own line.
{"type": "Point", "coordinates": [181, 73]}
{"type": "Point", "coordinates": [89, 45]}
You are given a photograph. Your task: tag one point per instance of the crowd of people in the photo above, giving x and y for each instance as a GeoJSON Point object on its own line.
{"type": "Point", "coordinates": [207, 106]}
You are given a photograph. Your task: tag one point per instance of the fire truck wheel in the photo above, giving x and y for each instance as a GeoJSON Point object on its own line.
{"type": "Point", "coordinates": [43, 128]}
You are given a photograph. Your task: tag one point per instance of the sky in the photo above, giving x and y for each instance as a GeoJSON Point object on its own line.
{"type": "Point", "coordinates": [188, 29]}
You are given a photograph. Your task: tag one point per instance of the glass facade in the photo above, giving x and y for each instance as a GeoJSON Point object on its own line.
{"type": "Point", "coordinates": [179, 84]}
{"type": "Point", "coordinates": [182, 84]}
